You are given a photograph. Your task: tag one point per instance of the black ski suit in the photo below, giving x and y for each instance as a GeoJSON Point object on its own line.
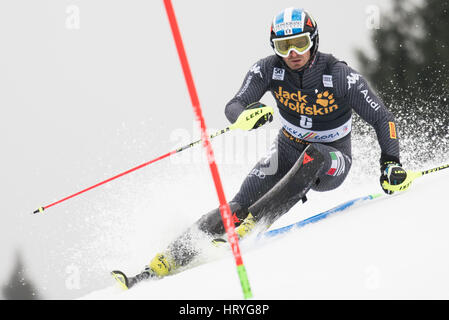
{"type": "Point", "coordinates": [315, 108]}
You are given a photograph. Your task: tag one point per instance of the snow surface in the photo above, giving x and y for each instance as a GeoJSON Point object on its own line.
{"type": "Point", "coordinates": [391, 248]}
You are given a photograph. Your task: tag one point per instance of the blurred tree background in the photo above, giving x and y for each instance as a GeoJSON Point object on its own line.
{"type": "Point", "coordinates": [410, 71]}
{"type": "Point", "coordinates": [19, 287]}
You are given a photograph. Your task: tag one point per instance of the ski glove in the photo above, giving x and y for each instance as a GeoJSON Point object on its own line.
{"type": "Point", "coordinates": [392, 173]}
{"type": "Point", "coordinates": [266, 118]}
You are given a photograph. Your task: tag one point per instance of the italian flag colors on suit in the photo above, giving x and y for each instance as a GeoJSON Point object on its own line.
{"type": "Point", "coordinates": [337, 165]}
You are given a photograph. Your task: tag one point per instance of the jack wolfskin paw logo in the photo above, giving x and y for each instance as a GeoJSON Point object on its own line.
{"type": "Point", "coordinates": [325, 99]}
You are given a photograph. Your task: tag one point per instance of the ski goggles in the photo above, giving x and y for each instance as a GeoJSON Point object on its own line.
{"type": "Point", "coordinates": [300, 43]}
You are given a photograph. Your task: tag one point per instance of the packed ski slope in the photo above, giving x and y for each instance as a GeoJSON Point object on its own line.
{"type": "Point", "coordinates": [391, 248]}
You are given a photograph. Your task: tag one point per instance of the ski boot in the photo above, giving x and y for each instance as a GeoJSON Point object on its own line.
{"type": "Point", "coordinates": [159, 267]}
{"type": "Point", "coordinates": [242, 230]}
{"type": "Point", "coordinates": [246, 227]}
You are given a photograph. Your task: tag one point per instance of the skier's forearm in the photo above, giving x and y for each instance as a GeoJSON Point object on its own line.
{"type": "Point", "coordinates": [233, 109]}
{"type": "Point", "coordinates": [387, 135]}
{"type": "Point", "coordinates": [254, 86]}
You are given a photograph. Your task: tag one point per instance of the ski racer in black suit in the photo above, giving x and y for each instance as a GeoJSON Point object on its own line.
{"type": "Point", "coordinates": [316, 95]}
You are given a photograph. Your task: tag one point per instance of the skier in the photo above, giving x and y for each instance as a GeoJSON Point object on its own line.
{"type": "Point", "coordinates": [315, 94]}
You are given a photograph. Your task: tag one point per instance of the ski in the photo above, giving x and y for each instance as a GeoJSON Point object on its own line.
{"type": "Point", "coordinates": [121, 279]}
{"type": "Point", "coordinates": [342, 207]}
{"type": "Point", "coordinates": [126, 282]}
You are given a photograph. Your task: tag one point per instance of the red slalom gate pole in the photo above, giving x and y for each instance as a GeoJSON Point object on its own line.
{"type": "Point", "coordinates": [224, 206]}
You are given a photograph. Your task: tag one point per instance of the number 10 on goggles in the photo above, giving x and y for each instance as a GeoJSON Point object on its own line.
{"type": "Point", "coordinates": [300, 43]}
